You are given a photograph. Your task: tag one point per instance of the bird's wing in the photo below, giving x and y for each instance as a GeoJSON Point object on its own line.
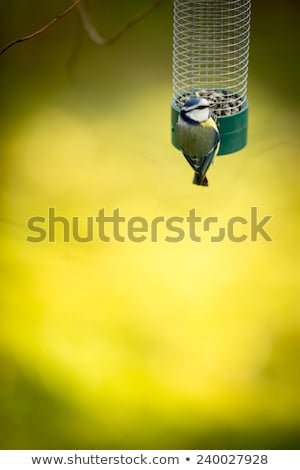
{"type": "Point", "coordinates": [191, 160]}
{"type": "Point", "coordinates": [204, 162]}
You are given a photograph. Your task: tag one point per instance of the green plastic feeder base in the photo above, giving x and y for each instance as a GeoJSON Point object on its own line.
{"type": "Point", "coordinates": [233, 130]}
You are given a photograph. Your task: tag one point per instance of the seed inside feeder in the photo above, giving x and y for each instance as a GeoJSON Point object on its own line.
{"type": "Point", "coordinates": [222, 103]}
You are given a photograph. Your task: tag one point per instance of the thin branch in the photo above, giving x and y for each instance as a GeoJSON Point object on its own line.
{"type": "Point", "coordinates": [95, 36]}
{"type": "Point", "coordinates": [87, 24]}
{"type": "Point", "coordinates": [41, 30]}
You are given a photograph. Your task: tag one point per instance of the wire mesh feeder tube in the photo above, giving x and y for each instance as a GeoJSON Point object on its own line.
{"type": "Point", "coordinates": [210, 59]}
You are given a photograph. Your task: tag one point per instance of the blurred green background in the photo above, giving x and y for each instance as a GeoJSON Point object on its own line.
{"type": "Point", "coordinates": [151, 345]}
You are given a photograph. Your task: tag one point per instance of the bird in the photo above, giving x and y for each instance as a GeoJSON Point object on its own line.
{"type": "Point", "coordinates": [198, 137]}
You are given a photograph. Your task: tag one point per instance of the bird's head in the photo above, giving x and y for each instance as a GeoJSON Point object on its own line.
{"type": "Point", "coordinates": [195, 110]}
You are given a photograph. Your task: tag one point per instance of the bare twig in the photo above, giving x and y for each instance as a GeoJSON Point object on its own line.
{"type": "Point", "coordinates": [95, 36]}
{"type": "Point", "coordinates": [41, 30]}
{"type": "Point", "coordinates": [134, 21]}
{"type": "Point", "coordinates": [87, 24]}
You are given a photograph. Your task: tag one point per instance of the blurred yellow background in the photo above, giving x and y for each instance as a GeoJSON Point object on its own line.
{"type": "Point", "coordinates": [151, 345]}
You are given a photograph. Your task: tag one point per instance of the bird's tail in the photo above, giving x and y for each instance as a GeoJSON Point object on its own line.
{"type": "Point", "coordinates": [200, 180]}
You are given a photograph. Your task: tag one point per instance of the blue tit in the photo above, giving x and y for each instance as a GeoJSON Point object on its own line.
{"type": "Point", "coordinates": [198, 137]}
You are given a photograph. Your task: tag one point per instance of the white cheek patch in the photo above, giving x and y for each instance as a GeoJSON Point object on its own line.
{"type": "Point", "coordinates": [199, 115]}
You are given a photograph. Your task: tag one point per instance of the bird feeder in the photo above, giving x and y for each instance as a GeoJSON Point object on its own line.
{"type": "Point", "coordinates": [210, 59]}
